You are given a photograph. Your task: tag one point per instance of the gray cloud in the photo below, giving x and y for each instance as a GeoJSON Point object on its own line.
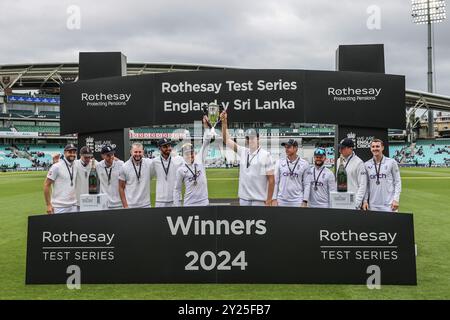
{"type": "Point", "coordinates": [247, 33]}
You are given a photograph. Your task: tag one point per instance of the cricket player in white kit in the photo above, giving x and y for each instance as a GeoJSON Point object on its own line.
{"type": "Point", "coordinates": [164, 168]}
{"type": "Point", "coordinates": [193, 174]}
{"type": "Point", "coordinates": [290, 178]}
{"type": "Point", "coordinates": [321, 181]}
{"type": "Point", "coordinates": [256, 169]}
{"type": "Point", "coordinates": [108, 171]}
{"type": "Point", "coordinates": [384, 183]}
{"type": "Point", "coordinates": [61, 177]}
{"type": "Point", "coordinates": [134, 179]}
{"type": "Point", "coordinates": [83, 166]}
{"type": "Point", "coordinates": [355, 169]}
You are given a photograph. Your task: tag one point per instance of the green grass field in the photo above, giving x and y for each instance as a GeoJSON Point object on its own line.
{"type": "Point", "coordinates": [426, 193]}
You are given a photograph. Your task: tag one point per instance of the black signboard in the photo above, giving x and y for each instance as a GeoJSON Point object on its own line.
{"type": "Point", "coordinates": [347, 98]}
{"type": "Point", "coordinates": [362, 137]}
{"type": "Point", "coordinates": [118, 139]}
{"type": "Point", "coordinates": [355, 99]}
{"type": "Point", "coordinates": [222, 245]}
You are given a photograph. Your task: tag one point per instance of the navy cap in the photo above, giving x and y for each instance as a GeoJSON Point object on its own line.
{"type": "Point", "coordinates": [86, 151]}
{"type": "Point", "coordinates": [320, 152]}
{"type": "Point", "coordinates": [69, 147]}
{"type": "Point", "coordinates": [163, 142]}
{"type": "Point", "coordinates": [290, 142]}
{"type": "Point", "coordinates": [107, 149]}
{"type": "Point", "coordinates": [347, 142]}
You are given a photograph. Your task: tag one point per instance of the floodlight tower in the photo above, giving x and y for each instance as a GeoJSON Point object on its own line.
{"type": "Point", "coordinates": [428, 12]}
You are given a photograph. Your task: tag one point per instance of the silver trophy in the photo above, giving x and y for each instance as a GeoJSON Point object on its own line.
{"type": "Point", "coordinates": [213, 112]}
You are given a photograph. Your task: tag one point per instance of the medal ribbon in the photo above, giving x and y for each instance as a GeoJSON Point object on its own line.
{"type": "Point", "coordinates": [135, 170]}
{"type": "Point", "coordinates": [377, 170]}
{"type": "Point", "coordinates": [166, 170]}
{"type": "Point", "coordinates": [109, 174]}
{"type": "Point", "coordinates": [194, 173]}
{"type": "Point", "coordinates": [317, 180]}
{"type": "Point", "coordinates": [348, 161]}
{"type": "Point", "coordinates": [249, 161]}
{"type": "Point", "coordinates": [70, 172]}
{"type": "Point", "coordinates": [291, 172]}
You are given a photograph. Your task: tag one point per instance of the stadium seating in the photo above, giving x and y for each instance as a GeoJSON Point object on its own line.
{"type": "Point", "coordinates": [42, 129]}
{"type": "Point", "coordinates": [417, 154]}
{"type": "Point", "coordinates": [421, 152]}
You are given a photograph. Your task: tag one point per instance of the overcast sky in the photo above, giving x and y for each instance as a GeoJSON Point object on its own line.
{"type": "Point", "coordinates": [246, 33]}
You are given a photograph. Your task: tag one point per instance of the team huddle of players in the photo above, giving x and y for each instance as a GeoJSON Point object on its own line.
{"type": "Point", "coordinates": [290, 181]}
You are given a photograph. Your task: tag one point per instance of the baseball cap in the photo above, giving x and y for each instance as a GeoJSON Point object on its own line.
{"type": "Point", "coordinates": [163, 142]}
{"type": "Point", "coordinates": [69, 147]}
{"type": "Point", "coordinates": [86, 151]}
{"type": "Point", "coordinates": [320, 152]}
{"type": "Point", "coordinates": [347, 142]}
{"type": "Point", "coordinates": [107, 149]}
{"type": "Point", "coordinates": [251, 133]}
{"type": "Point", "coordinates": [290, 142]}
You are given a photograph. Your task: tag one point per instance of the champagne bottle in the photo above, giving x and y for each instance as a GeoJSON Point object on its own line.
{"type": "Point", "coordinates": [94, 185]}
{"type": "Point", "coordinates": [341, 178]}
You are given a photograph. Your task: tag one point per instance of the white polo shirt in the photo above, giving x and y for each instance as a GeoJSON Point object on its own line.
{"type": "Point", "coordinates": [137, 191]}
{"type": "Point", "coordinates": [380, 196]}
{"type": "Point", "coordinates": [290, 180]}
{"type": "Point", "coordinates": [356, 177]}
{"type": "Point", "coordinates": [165, 184]}
{"type": "Point", "coordinates": [253, 170]}
{"type": "Point", "coordinates": [326, 183]}
{"type": "Point", "coordinates": [63, 193]}
{"type": "Point", "coordinates": [193, 176]}
{"type": "Point", "coordinates": [109, 181]}
{"type": "Point", "coordinates": [82, 178]}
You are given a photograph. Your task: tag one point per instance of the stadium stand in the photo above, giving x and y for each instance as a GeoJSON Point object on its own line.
{"type": "Point", "coordinates": [423, 152]}
{"type": "Point", "coordinates": [41, 129]}
{"type": "Point", "coordinates": [26, 157]}
{"type": "Point", "coordinates": [417, 154]}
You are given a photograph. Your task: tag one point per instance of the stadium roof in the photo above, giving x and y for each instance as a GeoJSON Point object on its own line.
{"type": "Point", "coordinates": [48, 77]}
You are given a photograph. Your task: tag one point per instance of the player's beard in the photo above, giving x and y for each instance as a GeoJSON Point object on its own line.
{"type": "Point", "coordinates": [70, 158]}
{"type": "Point", "coordinates": [166, 153]}
{"type": "Point", "coordinates": [319, 163]}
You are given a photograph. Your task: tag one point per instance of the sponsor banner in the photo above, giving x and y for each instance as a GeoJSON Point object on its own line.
{"type": "Point", "coordinates": [11, 134]}
{"type": "Point", "coordinates": [31, 99]}
{"type": "Point", "coordinates": [355, 99]}
{"type": "Point", "coordinates": [349, 98]}
{"type": "Point", "coordinates": [218, 244]}
{"type": "Point", "coordinates": [157, 135]}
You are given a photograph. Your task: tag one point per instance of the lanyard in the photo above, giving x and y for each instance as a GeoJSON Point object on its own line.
{"type": "Point", "coordinates": [109, 174]}
{"type": "Point", "coordinates": [317, 180]}
{"type": "Point", "coordinates": [348, 161]}
{"type": "Point", "coordinates": [70, 172]}
{"type": "Point", "coordinates": [194, 173]}
{"type": "Point", "coordinates": [135, 171]}
{"type": "Point", "coordinates": [249, 161]}
{"type": "Point", "coordinates": [291, 172]}
{"type": "Point", "coordinates": [166, 170]}
{"type": "Point", "coordinates": [377, 170]}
